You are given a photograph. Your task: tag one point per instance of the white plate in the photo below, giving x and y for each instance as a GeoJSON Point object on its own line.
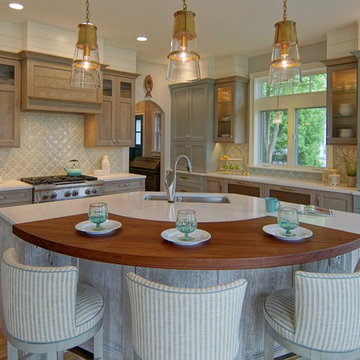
{"type": "Point", "coordinates": [276, 231]}
{"type": "Point", "coordinates": [175, 236]}
{"type": "Point", "coordinates": [107, 227]}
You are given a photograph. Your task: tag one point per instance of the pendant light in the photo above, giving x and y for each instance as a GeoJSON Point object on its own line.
{"type": "Point", "coordinates": [85, 71]}
{"type": "Point", "coordinates": [183, 58]}
{"type": "Point", "coordinates": [285, 58]}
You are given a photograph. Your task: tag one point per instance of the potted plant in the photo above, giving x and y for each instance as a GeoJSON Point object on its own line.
{"type": "Point", "coordinates": [349, 159]}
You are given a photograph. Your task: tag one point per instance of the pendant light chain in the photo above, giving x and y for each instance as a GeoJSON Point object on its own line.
{"type": "Point", "coordinates": [87, 11]}
{"type": "Point", "coordinates": [184, 5]}
{"type": "Point", "coordinates": [285, 10]}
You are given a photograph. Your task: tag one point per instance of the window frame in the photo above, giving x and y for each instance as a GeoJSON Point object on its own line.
{"type": "Point", "coordinates": [286, 102]}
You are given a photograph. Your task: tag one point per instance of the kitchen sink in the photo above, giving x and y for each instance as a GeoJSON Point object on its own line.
{"type": "Point", "coordinates": [217, 199]}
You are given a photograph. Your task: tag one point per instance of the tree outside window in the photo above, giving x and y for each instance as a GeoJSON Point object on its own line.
{"type": "Point", "coordinates": [311, 137]}
{"type": "Point", "coordinates": [274, 138]}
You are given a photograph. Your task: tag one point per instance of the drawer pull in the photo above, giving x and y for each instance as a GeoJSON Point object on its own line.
{"type": "Point", "coordinates": [124, 185]}
{"type": "Point", "coordinates": [2, 197]}
{"type": "Point", "coordinates": [285, 188]}
{"type": "Point", "coordinates": [242, 183]}
{"type": "Point", "coordinates": [184, 177]}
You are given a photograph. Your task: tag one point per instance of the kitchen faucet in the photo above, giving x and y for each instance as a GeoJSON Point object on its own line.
{"type": "Point", "coordinates": [170, 186]}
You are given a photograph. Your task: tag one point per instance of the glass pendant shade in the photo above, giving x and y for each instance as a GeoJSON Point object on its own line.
{"type": "Point", "coordinates": [183, 57]}
{"type": "Point", "coordinates": [85, 72]}
{"type": "Point", "coordinates": [285, 58]}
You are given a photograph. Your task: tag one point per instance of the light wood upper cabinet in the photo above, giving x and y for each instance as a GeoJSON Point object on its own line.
{"type": "Point", "coordinates": [231, 110]}
{"type": "Point", "coordinates": [46, 86]}
{"type": "Point", "coordinates": [115, 125]}
{"type": "Point", "coordinates": [10, 81]}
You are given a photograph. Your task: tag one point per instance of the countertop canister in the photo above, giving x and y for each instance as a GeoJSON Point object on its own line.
{"type": "Point", "coordinates": [105, 164]}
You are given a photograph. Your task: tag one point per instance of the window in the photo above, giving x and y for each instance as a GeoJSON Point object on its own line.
{"type": "Point", "coordinates": [138, 131]}
{"type": "Point", "coordinates": [157, 133]}
{"type": "Point", "coordinates": [311, 137]}
{"type": "Point", "coordinates": [274, 138]}
{"type": "Point", "coordinates": [289, 130]}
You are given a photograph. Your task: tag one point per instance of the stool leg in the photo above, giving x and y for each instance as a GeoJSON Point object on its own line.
{"type": "Point", "coordinates": [269, 346]}
{"type": "Point", "coordinates": [12, 352]}
{"type": "Point", "coordinates": [98, 345]}
{"type": "Point", "coordinates": [51, 355]}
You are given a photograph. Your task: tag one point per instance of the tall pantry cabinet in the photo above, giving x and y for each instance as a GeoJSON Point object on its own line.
{"type": "Point", "coordinates": [192, 124]}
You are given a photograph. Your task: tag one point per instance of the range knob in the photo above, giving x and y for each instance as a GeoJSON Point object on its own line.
{"type": "Point", "coordinates": [94, 191]}
{"type": "Point", "coordinates": [45, 197]}
{"type": "Point", "coordinates": [87, 191]}
{"type": "Point", "coordinates": [67, 194]}
{"type": "Point", "coordinates": [75, 193]}
{"type": "Point", "coordinates": [53, 195]}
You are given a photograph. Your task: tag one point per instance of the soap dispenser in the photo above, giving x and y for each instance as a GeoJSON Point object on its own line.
{"type": "Point", "coordinates": [105, 164]}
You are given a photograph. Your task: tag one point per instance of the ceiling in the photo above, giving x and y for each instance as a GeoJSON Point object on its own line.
{"type": "Point", "coordinates": [224, 27]}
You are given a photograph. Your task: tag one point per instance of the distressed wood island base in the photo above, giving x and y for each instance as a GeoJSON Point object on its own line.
{"type": "Point", "coordinates": [238, 248]}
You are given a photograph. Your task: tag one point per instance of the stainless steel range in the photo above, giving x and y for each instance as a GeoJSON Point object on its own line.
{"type": "Point", "coordinates": [63, 187]}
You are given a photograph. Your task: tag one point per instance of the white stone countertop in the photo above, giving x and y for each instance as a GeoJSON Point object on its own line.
{"type": "Point", "coordinates": [18, 185]}
{"type": "Point", "coordinates": [120, 176]}
{"type": "Point", "coordinates": [14, 185]}
{"type": "Point", "coordinates": [283, 181]}
{"type": "Point", "coordinates": [132, 204]}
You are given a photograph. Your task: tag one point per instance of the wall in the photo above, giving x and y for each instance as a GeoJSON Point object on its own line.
{"type": "Point", "coordinates": [309, 53]}
{"type": "Point", "coordinates": [48, 142]}
{"type": "Point", "coordinates": [161, 96]}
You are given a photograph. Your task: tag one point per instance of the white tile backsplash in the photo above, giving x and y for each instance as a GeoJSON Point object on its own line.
{"type": "Point", "coordinates": [47, 143]}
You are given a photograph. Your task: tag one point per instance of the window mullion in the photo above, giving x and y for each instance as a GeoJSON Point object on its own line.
{"type": "Point", "coordinates": [291, 136]}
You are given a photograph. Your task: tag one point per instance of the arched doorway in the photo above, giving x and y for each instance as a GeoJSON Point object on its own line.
{"type": "Point", "coordinates": [149, 133]}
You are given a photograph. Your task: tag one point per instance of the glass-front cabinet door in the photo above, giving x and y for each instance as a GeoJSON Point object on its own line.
{"type": "Point", "coordinates": [342, 101]}
{"type": "Point", "coordinates": [224, 112]}
{"type": "Point", "coordinates": [231, 109]}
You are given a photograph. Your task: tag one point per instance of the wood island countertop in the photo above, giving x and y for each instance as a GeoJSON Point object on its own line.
{"type": "Point", "coordinates": [237, 242]}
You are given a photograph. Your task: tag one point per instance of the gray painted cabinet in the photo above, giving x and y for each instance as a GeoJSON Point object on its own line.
{"type": "Point", "coordinates": [192, 124]}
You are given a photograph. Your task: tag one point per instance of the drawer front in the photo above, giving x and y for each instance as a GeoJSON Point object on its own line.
{"type": "Point", "coordinates": [189, 179]}
{"type": "Point", "coordinates": [185, 188]}
{"type": "Point", "coordinates": [15, 197]}
{"type": "Point", "coordinates": [113, 187]}
{"type": "Point", "coordinates": [292, 194]}
{"type": "Point", "coordinates": [244, 190]}
{"type": "Point", "coordinates": [335, 201]}
{"type": "Point", "coordinates": [291, 197]}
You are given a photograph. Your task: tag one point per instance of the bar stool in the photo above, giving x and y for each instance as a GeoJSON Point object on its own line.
{"type": "Point", "coordinates": [319, 319]}
{"type": "Point", "coordinates": [46, 310]}
{"type": "Point", "coordinates": [185, 323]}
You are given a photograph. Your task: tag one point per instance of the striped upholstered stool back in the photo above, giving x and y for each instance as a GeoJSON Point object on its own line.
{"type": "Point", "coordinates": [38, 295]}
{"type": "Point", "coordinates": [185, 323]}
{"type": "Point", "coordinates": [327, 311]}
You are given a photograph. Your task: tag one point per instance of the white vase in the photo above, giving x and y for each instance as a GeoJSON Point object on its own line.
{"type": "Point", "coordinates": [105, 164]}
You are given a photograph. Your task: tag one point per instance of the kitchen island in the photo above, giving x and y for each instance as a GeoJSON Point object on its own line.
{"type": "Point", "coordinates": [130, 208]}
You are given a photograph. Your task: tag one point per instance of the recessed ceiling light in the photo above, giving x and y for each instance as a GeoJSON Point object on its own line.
{"type": "Point", "coordinates": [16, 6]}
{"type": "Point", "coordinates": [141, 38]}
